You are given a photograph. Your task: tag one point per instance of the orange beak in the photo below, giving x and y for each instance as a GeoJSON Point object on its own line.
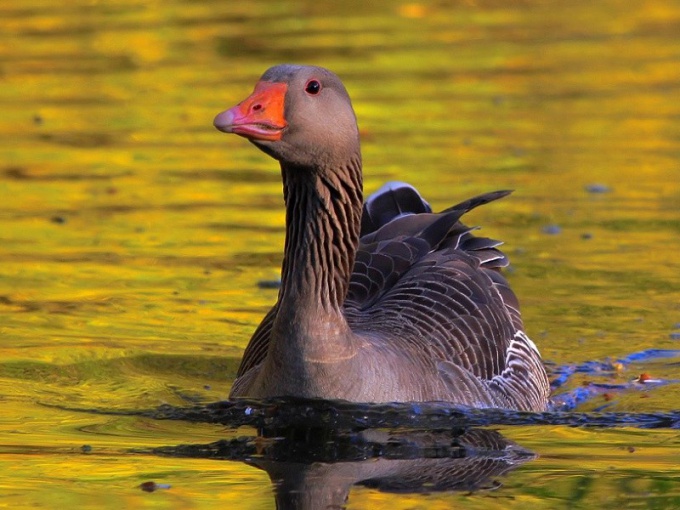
{"type": "Point", "coordinates": [258, 117]}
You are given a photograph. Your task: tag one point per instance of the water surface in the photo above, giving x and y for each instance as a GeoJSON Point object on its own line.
{"type": "Point", "coordinates": [133, 235]}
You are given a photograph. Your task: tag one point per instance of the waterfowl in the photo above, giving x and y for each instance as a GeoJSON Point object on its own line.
{"type": "Point", "coordinates": [379, 302]}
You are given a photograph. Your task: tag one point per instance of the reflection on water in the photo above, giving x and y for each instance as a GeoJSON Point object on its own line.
{"type": "Point", "coordinates": [317, 452]}
{"type": "Point", "coordinates": [133, 236]}
{"type": "Point", "coordinates": [315, 468]}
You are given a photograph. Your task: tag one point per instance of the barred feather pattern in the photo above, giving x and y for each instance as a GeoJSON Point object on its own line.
{"type": "Point", "coordinates": [421, 289]}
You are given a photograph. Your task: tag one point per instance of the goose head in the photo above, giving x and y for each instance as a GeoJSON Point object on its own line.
{"type": "Point", "coordinates": [299, 115]}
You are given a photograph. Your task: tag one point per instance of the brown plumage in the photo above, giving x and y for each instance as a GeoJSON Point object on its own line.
{"type": "Point", "coordinates": [381, 302]}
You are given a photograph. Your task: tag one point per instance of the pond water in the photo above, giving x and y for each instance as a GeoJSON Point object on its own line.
{"type": "Point", "coordinates": [133, 237]}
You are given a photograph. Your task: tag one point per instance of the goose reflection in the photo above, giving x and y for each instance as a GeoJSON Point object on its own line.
{"type": "Point", "coordinates": [315, 468]}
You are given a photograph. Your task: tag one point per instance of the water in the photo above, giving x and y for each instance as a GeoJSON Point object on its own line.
{"type": "Point", "coordinates": [133, 235]}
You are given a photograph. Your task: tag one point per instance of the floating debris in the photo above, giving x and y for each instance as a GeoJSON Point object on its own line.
{"type": "Point", "coordinates": [153, 486]}
{"type": "Point", "coordinates": [644, 377]}
{"type": "Point", "coordinates": [552, 229]}
{"type": "Point", "coordinates": [598, 188]}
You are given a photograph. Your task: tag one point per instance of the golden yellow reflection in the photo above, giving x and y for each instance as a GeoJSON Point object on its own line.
{"type": "Point", "coordinates": [133, 235]}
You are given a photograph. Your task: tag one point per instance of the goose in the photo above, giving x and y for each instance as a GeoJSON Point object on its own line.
{"type": "Point", "coordinates": [379, 302]}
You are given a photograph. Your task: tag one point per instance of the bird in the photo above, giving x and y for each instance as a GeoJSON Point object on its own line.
{"type": "Point", "coordinates": [383, 301]}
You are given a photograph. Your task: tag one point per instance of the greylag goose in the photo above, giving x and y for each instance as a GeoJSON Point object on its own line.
{"type": "Point", "coordinates": [381, 302]}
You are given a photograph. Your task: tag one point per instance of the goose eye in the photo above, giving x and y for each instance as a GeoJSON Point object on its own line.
{"type": "Point", "coordinates": [313, 87]}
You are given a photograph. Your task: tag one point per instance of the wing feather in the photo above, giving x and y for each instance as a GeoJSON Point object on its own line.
{"type": "Point", "coordinates": [424, 279]}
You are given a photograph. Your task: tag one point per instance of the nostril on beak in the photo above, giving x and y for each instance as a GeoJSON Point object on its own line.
{"type": "Point", "coordinates": [257, 107]}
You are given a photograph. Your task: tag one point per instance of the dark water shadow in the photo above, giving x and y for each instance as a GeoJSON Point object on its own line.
{"type": "Point", "coordinates": [287, 412]}
{"type": "Point", "coordinates": [316, 468]}
{"type": "Point", "coordinates": [315, 451]}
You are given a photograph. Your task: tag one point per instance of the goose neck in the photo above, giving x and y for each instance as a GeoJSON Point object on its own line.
{"type": "Point", "coordinates": [323, 220]}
